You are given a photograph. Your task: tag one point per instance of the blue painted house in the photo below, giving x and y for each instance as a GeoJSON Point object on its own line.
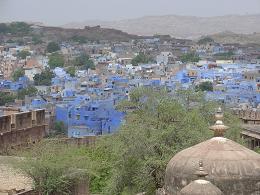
{"type": "Point", "coordinates": [85, 117]}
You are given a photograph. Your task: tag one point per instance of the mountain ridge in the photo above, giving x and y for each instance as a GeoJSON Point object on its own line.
{"type": "Point", "coordinates": [188, 27]}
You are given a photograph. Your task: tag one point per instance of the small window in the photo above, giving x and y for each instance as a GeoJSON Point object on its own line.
{"type": "Point", "coordinates": [86, 117]}
{"type": "Point", "coordinates": [69, 114]}
{"type": "Point", "coordinates": [78, 116]}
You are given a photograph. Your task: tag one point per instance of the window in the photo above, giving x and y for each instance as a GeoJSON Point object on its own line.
{"type": "Point", "coordinates": [78, 116]}
{"type": "Point", "coordinates": [69, 114]}
{"type": "Point", "coordinates": [86, 117]}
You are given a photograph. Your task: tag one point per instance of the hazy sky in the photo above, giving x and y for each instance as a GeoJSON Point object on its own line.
{"type": "Point", "coordinates": [57, 12]}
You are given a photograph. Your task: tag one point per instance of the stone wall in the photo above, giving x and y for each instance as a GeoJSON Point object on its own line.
{"type": "Point", "coordinates": [248, 116]}
{"type": "Point", "coordinates": [21, 129]}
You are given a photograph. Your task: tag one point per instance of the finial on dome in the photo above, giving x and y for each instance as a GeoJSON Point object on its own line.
{"type": "Point", "coordinates": [219, 114]}
{"type": "Point", "coordinates": [219, 128]}
{"type": "Point", "coordinates": [201, 173]}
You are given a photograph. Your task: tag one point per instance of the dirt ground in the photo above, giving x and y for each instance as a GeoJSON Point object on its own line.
{"type": "Point", "coordinates": [11, 178]}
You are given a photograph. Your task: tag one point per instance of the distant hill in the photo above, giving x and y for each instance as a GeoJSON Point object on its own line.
{"type": "Point", "coordinates": [90, 33]}
{"type": "Point", "coordinates": [230, 37]}
{"type": "Point", "coordinates": [181, 26]}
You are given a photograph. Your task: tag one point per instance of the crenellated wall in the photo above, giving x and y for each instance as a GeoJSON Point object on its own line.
{"type": "Point", "coordinates": [249, 116]}
{"type": "Point", "coordinates": [21, 129]}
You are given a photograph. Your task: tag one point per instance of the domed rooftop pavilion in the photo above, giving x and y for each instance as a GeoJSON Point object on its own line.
{"type": "Point", "coordinates": [234, 169]}
{"type": "Point", "coordinates": [201, 186]}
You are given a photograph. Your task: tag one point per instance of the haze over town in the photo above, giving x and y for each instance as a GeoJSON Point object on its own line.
{"type": "Point", "coordinates": [60, 12]}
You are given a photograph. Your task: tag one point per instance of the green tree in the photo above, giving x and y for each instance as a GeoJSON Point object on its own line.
{"type": "Point", "coordinates": [43, 78]}
{"type": "Point", "coordinates": [6, 98]}
{"type": "Point", "coordinates": [60, 128]}
{"type": "Point", "coordinates": [53, 47]}
{"type": "Point", "coordinates": [30, 91]}
{"type": "Point", "coordinates": [205, 86]}
{"type": "Point", "coordinates": [19, 72]}
{"type": "Point", "coordinates": [188, 98]}
{"type": "Point", "coordinates": [78, 39]}
{"type": "Point", "coordinates": [3, 28]}
{"type": "Point", "coordinates": [205, 40]}
{"type": "Point", "coordinates": [157, 126]}
{"type": "Point", "coordinates": [190, 57]}
{"type": "Point", "coordinates": [84, 62]}
{"type": "Point", "coordinates": [141, 58]}
{"type": "Point", "coordinates": [49, 163]}
{"type": "Point", "coordinates": [54, 167]}
{"type": "Point", "coordinates": [10, 41]}
{"type": "Point", "coordinates": [23, 54]}
{"type": "Point", "coordinates": [36, 39]}
{"type": "Point", "coordinates": [56, 60]}
{"type": "Point", "coordinates": [19, 28]}
{"type": "Point", "coordinates": [15, 28]}
{"type": "Point", "coordinates": [72, 71]}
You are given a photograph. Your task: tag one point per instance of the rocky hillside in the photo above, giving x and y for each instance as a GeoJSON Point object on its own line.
{"type": "Point", "coordinates": [90, 33]}
{"type": "Point", "coordinates": [230, 37]}
{"type": "Point", "coordinates": [182, 26]}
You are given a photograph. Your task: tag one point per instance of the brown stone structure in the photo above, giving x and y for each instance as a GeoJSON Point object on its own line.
{"type": "Point", "coordinates": [231, 167]}
{"type": "Point", "coordinates": [21, 129]}
{"type": "Point", "coordinates": [251, 127]}
{"type": "Point", "coordinates": [234, 169]}
{"type": "Point", "coordinates": [248, 116]}
{"type": "Point", "coordinates": [10, 110]}
{"type": "Point", "coordinates": [251, 136]}
{"type": "Point", "coordinates": [200, 186]}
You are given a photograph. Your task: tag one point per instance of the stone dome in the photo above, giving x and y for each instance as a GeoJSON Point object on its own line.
{"type": "Point", "coordinates": [200, 187]}
{"type": "Point", "coordinates": [232, 167]}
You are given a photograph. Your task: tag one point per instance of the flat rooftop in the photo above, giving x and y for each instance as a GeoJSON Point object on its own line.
{"type": "Point", "coordinates": [252, 128]}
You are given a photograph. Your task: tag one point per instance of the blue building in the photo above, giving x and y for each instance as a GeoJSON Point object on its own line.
{"type": "Point", "coordinates": [85, 117]}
